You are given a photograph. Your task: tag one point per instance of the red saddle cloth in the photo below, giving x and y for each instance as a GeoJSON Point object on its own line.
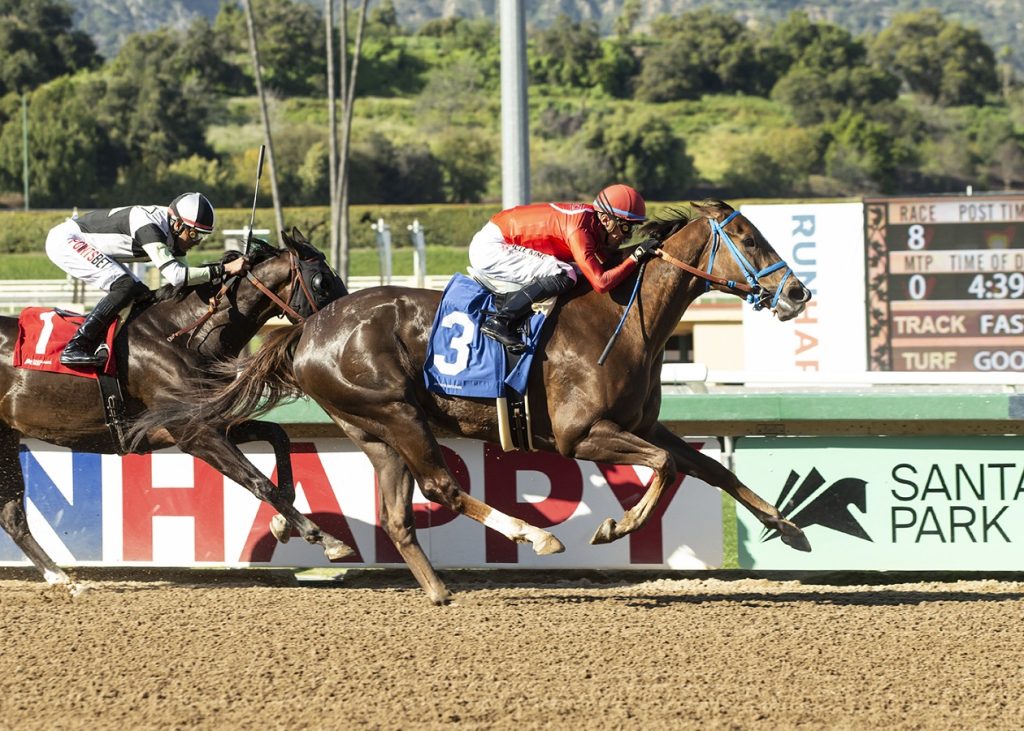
{"type": "Point", "coordinates": [42, 334]}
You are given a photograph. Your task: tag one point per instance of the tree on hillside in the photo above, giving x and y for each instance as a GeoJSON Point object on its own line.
{"type": "Point", "coordinates": [644, 152]}
{"type": "Point", "coordinates": [827, 71]}
{"type": "Point", "coordinates": [71, 156]}
{"type": "Point", "coordinates": [291, 40]}
{"type": "Point", "coordinates": [158, 97]}
{"type": "Point", "coordinates": [950, 64]}
{"type": "Point", "coordinates": [462, 42]}
{"type": "Point", "coordinates": [38, 43]}
{"type": "Point", "coordinates": [703, 52]}
{"type": "Point", "coordinates": [566, 53]}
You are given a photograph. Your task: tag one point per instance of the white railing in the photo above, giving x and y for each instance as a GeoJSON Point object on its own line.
{"type": "Point", "coordinates": [17, 294]}
{"type": "Point", "coordinates": [699, 379]}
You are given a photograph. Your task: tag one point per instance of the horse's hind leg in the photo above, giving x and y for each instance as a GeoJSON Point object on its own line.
{"type": "Point", "coordinates": [12, 510]}
{"type": "Point", "coordinates": [397, 518]}
{"type": "Point", "coordinates": [712, 472]}
{"type": "Point", "coordinates": [275, 435]}
{"type": "Point", "coordinates": [215, 449]}
{"type": "Point", "coordinates": [404, 427]}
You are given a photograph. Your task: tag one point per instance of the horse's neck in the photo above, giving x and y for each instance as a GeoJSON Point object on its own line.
{"type": "Point", "coordinates": [238, 323]}
{"type": "Point", "coordinates": [667, 291]}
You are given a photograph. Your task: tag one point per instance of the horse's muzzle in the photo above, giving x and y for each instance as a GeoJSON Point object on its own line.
{"type": "Point", "coordinates": [792, 301]}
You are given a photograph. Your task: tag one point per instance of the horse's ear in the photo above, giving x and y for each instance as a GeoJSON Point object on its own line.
{"type": "Point", "coordinates": [288, 241]}
{"type": "Point", "coordinates": [298, 237]}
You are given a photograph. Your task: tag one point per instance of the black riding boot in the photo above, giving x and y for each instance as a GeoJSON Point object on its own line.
{"type": "Point", "coordinates": [503, 325]}
{"type": "Point", "coordinates": [81, 350]}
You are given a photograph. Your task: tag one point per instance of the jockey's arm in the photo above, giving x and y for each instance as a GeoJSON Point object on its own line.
{"type": "Point", "coordinates": [177, 271]}
{"type": "Point", "coordinates": [585, 254]}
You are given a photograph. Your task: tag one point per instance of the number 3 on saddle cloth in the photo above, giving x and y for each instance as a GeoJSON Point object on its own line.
{"type": "Point", "coordinates": [462, 361]}
{"type": "Point", "coordinates": [42, 334]}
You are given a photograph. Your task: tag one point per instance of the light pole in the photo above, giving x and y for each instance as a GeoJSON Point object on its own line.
{"type": "Point", "coordinates": [515, 138]}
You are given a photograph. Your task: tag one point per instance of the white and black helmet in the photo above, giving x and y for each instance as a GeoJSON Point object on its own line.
{"type": "Point", "coordinates": [195, 210]}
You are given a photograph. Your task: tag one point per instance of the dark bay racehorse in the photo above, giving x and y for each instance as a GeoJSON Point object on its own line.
{"type": "Point", "coordinates": [67, 411]}
{"type": "Point", "coordinates": [361, 359]}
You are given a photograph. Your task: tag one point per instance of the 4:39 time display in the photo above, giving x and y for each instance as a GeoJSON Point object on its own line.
{"type": "Point", "coordinates": [998, 286]}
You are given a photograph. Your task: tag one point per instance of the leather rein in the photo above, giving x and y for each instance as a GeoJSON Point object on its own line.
{"type": "Point", "coordinates": [214, 303]}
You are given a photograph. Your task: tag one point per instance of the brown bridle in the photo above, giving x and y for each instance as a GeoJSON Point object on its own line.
{"type": "Point", "coordinates": [296, 278]}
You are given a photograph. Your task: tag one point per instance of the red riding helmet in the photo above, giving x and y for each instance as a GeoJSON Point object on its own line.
{"type": "Point", "coordinates": [195, 210]}
{"type": "Point", "coordinates": [621, 201]}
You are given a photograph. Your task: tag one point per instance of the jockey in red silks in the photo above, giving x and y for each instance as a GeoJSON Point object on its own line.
{"type": "Point", "coordinates": [542, 248]}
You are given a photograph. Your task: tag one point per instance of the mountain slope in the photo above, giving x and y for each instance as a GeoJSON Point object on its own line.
{"type": "Point", "coordinates": [1001, 22]}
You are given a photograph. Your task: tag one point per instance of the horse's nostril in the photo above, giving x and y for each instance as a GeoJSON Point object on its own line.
{"type": "Point", "coordinates": [798, 292]}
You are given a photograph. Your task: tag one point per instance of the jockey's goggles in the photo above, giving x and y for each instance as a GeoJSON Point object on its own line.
{"type": "Point", "coordinates": [192, 234]}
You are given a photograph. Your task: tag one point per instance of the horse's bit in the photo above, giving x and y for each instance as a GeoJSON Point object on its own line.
{"type": "Point", "coordinates": [296, 277]}
{"type": "Point", "coordinates": [753, 290]}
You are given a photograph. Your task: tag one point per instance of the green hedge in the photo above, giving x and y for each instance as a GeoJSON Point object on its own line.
{"type": "Point", "coordinates": [444, 225]}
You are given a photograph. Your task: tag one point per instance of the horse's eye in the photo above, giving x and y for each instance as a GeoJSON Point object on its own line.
{"type": "Point", "coordinates": [318, 282]}
{"type": "Point", "coordinates": [749, 242]}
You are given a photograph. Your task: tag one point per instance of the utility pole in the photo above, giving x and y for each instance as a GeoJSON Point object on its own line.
{"type": "Point", "coordinates": [515, 137]}
{"type": "Point", "coordinates": [24, 144]}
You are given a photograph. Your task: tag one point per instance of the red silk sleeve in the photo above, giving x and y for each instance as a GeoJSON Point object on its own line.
{"type": "Point", "coordinates": [584, 253]}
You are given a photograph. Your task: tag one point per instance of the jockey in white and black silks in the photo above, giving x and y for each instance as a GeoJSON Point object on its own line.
{"type": "Point", "coordinates": [96, 246]}
{"type": "Point", "coordinates": [544, 247]}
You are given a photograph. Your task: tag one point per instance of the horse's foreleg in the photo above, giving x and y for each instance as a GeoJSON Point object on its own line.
{"type": "Point", "coordinates": [12, 513]}
{"type": "Point", "coordinates": [607, 442]}
{"type": "Point", "coordinates": [275, 435]}
{"type": "Point", "coordinates": [214, 448]}
{"type": "Point", "coordinates": [396, 516]}
{"type": "Point", "coordinates": [714, 473]}
{"type": "Point", "coordinates": [404, 427]}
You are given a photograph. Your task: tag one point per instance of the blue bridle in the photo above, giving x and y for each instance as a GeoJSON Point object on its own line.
{"type": "Point", "coordinates": [750, 273]}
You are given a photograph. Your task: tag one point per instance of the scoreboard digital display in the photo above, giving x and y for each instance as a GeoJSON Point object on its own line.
{"type": "Point", "coordinates": [945, 283]}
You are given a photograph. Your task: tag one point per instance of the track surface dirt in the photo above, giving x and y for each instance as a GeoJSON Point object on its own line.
{"type": "Point", "coordinates": [513, 651]}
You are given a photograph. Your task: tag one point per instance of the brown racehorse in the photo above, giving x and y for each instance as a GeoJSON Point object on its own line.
{"type": "Point", "coordinates": [67, 411]}
{"type": "Point", "coordinates": [361, 359]}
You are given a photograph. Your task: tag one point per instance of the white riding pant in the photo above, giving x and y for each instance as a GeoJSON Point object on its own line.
{"type": "Point", "coordinates": [495, 258]}
{"type": "Point", "coordinates": [76, 254]}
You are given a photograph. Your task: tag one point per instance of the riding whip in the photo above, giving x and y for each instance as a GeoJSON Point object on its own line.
{"type": "Point", "coordinates": [252, 218]}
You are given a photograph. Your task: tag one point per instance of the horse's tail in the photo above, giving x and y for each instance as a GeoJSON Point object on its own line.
{"type": "Point", "coordinates": [230, 391]}
{"type": "Point", "coordinates": [259, 382]}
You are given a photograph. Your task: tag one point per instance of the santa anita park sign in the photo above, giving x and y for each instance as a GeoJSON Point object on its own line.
{"type": "Point", "coordinates": [896, 503]}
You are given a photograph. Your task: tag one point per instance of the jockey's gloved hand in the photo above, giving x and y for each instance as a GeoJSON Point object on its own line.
{"type": "Point", "coordinates": [645, 250]}
{"type": "Point", "coordinates": [237, 265]}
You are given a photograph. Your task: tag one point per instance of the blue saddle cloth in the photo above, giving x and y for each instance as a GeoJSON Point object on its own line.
{"type": "Point", "coordinates": [462, 361]}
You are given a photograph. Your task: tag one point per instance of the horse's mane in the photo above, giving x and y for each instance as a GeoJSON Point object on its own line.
{"type": "Point", "coordinates": [674, 219]}
{"type": "Point", "coordinates": [671, 221]}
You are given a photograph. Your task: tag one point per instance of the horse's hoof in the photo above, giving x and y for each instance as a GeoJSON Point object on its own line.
{"type": "Point", "coordinates": [337, 550]}
{"type": "Point", "coordinates": [605, 533]}
{"type": "Point", "coordinates": [280, 529]}
{"type": "Point", "coordinates": [441, 599]}
{"type": "Point", "coordinates": [548, 545]}
{"type": "Point", "coordinates": [793, 536]}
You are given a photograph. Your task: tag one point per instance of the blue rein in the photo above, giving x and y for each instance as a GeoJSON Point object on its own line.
{"type": "Point", "coordinates": [750, 273]}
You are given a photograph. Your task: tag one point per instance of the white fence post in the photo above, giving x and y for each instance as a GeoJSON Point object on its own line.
{"type": "Point", "coordinates": [383, 249]}
{"type": "Point", "coordinates": [419, 252]}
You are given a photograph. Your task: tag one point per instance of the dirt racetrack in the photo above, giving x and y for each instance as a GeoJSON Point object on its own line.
{"type": "Point", "coordinates": [514, 651]}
